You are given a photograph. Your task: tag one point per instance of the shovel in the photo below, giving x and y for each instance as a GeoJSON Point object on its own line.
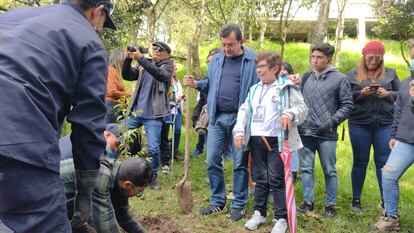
{"type": "Point", "coordinates": [184, 193]}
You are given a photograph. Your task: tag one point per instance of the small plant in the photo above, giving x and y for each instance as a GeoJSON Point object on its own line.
{"type": "Point", "coordinates": [133, 141]}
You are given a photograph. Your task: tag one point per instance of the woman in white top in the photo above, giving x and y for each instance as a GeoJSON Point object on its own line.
{"type": "Point", "coordinates": [272, 106]}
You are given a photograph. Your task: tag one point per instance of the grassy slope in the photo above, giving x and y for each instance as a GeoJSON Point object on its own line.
{"type": "Point", "coordinates": [159, 204]}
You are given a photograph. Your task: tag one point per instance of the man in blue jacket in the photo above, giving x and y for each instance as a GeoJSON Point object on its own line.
{"type": "Point", "coordinates": [53, 65]}
{"type": "Point", "coordinates": [230, 75]}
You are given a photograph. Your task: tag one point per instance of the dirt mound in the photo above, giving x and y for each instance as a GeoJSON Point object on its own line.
{"type": "Point", "coordinates": [161, 224]}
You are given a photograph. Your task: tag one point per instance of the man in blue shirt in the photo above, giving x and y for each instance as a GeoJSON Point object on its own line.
{"type": "Point", "coordinates": [230, 75]}
{"type": "Point", "coordinates": [53, 65]}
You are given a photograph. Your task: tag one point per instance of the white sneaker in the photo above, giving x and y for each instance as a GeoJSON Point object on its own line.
{"type": "Point", "coordinates": [165, 169]}
{"type": "Point", "coordinates": [253, 223]}
{"type": "Point", "coordinates": [280, 226]}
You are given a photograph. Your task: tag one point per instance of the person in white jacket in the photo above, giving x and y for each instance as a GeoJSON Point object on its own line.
{"type": "Point", "coordinates": [273, 106]}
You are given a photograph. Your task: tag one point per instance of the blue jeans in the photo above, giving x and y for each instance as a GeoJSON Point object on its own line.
{"type": "Point", "coordinates": [177, 132]}
{"type": "Point", "coordinates": [362, 137]}
{"type": "Point", "coordinates": [294, 166]}
{"type": "Point", "coordinates": [219, 135]}
{"type": "Point", "coordinates": [153, 132]}
{"type": "Point", "coordinates": [31, 198]}
{"type": "Point", "coordinates": [327, 155]}
{"type": "Point", "coordinates": [400, 159]}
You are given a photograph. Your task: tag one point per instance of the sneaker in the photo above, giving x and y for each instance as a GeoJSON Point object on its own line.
{"type": "Point", "coordinates": [356, 205]}
{"type": "Point", "coordinates": [196, 153]}
{"type": "Point", "coordinates": [305, 207]}
{"type": "Point", "coordinates": [330, 211]}
{"type": "Point", "coordinates": [280, 226]}
{"type": "Point", "coordinates": [256, 220]}
{"type": "Point", "coordinates": [237, 214]}
{"type": "Point", "coordinates": [165, 169]}
{"type": "Point", "coordinates": [211, 210]}
{"type": "Point", "coordinates": [155, 185]}
{"type": "Point", "coordinates": [386, 224]}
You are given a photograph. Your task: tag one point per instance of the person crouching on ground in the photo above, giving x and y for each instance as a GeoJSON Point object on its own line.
{"type": "Point", "coordinates": [282, 108]}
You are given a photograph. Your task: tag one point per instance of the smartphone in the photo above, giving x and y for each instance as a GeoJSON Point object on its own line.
{"type": "Point", "coordinates": [374, 86]}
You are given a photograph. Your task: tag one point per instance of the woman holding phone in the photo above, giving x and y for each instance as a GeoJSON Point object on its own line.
{"type": "Point", "coordinates": [374, 89]}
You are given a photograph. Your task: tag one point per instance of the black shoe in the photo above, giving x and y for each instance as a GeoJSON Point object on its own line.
{"type": "Point", "coordinates": [305, 207]}
{"type": "Point", "coordinates": [196, 153]}
{"type": "Point", "coordinates": [155, 185]}
{"type": "Point", "coordinates": [212, 210]}
{"type": "Point", "coordinates": [237, 214]}
{"type": "Point", "coordinates": [330, 211]}
{"type": "Point", "coordinates": [356, 205]}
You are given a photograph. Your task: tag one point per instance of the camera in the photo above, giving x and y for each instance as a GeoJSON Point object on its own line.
{"type": "Point", "coordinates": [134, 48]}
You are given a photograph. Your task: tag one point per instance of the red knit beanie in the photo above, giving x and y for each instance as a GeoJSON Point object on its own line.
{"type": "Point", "coordinates": [374, 46]}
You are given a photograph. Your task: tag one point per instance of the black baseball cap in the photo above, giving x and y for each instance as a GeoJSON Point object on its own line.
{"type": "Point", "coordinates": [113, 128]}
{"type": "Point", "coordinates": [162, 45]}
{"type": "Point", "coordinates": [108, 8]}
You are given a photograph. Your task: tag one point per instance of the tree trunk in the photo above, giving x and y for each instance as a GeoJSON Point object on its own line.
{"type": "Point", "coordinates": [262, 33]}
{"type": "Point", "coordinates": [250, 33]}
{"type": "Point", "coordinates": [151, 21]}
{"type": "Point", "coordinates": [196, 40]}
{"type": "Point", "coordinates": [321, 29]}
{"type": "Point", "coordinates": [339, 33]}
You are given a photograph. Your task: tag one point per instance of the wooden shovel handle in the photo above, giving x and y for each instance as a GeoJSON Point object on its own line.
{"type": "Point", "coordinates": [187, 119]}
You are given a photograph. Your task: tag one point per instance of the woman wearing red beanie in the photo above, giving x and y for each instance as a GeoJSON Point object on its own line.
{"type": "Point", "coordinates": [374, 90]}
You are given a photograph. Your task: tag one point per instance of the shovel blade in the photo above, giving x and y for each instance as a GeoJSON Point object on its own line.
{"type": "Point", "coordinates": [185, 196]}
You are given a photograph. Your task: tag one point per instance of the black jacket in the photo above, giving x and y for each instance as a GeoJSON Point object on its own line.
{"type": "Point", "coordinates": [329, 99]}
{"type": "Point", "coordinates": [161, 72]}
{"type": "Point", "coordinates": [403, 124]}
{"type": "Point", "coordinates": [370, 109]}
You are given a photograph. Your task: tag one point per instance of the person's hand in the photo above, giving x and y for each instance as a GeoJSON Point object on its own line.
{"type": "Point", "coordinates": [188, 80]}
{"type": "Point", "coordinates": [382, 93]}
{"type": "Point", "coordinates": [129, 92]}
{"type": "Point", "coordinates": [285, 122]}
{"type": "Point", "coordinates": [295, 78]}
{"type": "Point", "coordinates": [367, 91]}
{"type": "Point", "coordinates": [411, 90]}
{"type": "Point", "coordinates": [238, 142]}
{"type": "Point", "coordinates": [392, 143]}
{"type": "Point", "coordinates": [136, 55]}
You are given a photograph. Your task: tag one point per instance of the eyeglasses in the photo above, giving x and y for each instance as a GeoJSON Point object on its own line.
{"type": "Point", "coordinates": [157, 48]}
{"type": "Point", "coordinates": [139, 193]}
{"type": "Point", "coordinates": [229, 45]}
{"type": "Point", "coordinates": [373, 58]}
{"type": "Point", "coordinates": [261, 66]}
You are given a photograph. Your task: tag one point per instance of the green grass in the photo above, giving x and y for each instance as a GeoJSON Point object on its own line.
{"type": "Point", "coordinates": [164, 204]}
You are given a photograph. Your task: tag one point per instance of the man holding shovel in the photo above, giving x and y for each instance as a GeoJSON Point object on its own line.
{"type": "Point", "coordinates": [230, 75]}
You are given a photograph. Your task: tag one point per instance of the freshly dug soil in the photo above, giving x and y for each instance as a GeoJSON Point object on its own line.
{"type": "Point", "coordinates": [161, 224]}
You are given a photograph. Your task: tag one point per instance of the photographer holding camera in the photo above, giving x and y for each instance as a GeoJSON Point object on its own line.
{"type": "Point", "coordinates": [150, 98]}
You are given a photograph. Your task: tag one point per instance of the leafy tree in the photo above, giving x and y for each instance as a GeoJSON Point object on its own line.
{"type": "Point", "coordinates": [396, 21]}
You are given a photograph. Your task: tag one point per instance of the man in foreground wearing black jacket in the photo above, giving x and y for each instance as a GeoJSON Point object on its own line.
{"type": "Point", "coordinates": [327, 93]}
{"type": "Point", "coordinates": [150, 100]}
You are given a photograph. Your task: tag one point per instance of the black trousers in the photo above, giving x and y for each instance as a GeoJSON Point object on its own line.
{"type": "Point", "coordinates": [165, 147]}
{"type": "Point", "coordinates": [268, 173]}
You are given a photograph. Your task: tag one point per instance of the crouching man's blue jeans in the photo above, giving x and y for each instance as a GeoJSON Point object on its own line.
{"type": "Point", "coordinates": [219, 135]}
{"type": "Point", "coordinates": [400, 159]}
{"type": "Point", "coordinates": [327, 155]}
